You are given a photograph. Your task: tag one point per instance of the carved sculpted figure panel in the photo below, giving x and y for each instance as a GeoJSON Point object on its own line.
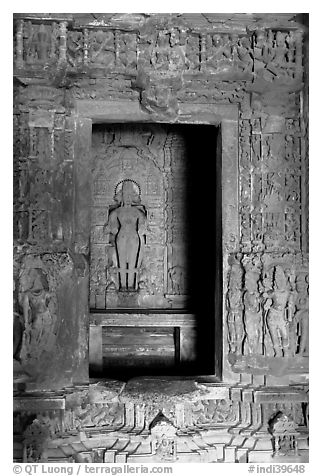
{"type": "Point", "coordinates": [279, 305]}
{"type": "Point", "coordinates": [126, 225]}
{"type": "Point", "coordinates": [38, 315]}
{"type": "Point", "coordinates": [271, 295]}
{"type": "Point", "coordinates": [267, 308]}
{"type": "Point", "coordinates": [138, 236]}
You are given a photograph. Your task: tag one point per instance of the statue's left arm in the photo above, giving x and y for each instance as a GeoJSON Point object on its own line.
{"type": "Point", "coordinates": [142, 226]}
{"type": "Point", "coordinates": [291, 306]}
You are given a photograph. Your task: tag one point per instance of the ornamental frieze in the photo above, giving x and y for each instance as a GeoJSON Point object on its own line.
{"type": "Point", "coordinates": [272, 56]}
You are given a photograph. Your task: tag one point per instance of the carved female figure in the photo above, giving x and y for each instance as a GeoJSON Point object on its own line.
{"type": "Point", "coordinates": [279, 313]}
{"type": "Point", "coordinates": [280, 49]}
{"type": "Point", "coordinates": [235, 308]}
{"type": "Point", "coordinates": [38, 322]}
{"type": "Point", "coordinates": [299, 328]}
{"type": "Point", "coordinates": [235, 320]}
{"type": "Point", "coordinates": [127, 224]}
{"type": "Point", "coordinates": [253, 318]}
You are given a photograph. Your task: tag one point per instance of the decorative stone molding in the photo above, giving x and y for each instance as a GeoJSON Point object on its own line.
{"type": "Point", "coordinates": [60, 423]}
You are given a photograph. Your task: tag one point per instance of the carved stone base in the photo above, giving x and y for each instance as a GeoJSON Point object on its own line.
{"type": "Point", "coordinates": [277, 366]}
{"type": "Point", "coordinates": [159, 420]}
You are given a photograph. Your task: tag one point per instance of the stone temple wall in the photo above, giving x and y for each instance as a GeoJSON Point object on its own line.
{"type": "Point", "coordinates": [157, 65]}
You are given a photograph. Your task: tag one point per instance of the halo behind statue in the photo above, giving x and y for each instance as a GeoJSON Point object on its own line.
{"type": "Point", "coordinates": [135, 187]}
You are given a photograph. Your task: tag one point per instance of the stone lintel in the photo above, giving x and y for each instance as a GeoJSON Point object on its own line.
{"type": "Point", "coordinates": [37, 404]}
{"type": "Point", "coordinates": [283, 394]}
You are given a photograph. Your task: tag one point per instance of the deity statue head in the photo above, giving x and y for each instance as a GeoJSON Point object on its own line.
{"type": "Point", "coordinates": [174, 38]}
{"type": "Point", "coordinates": [99, 36]}
{"type": "Point", "coordinates": [37, 280]}
{"type": "Point", "coordinates": [260, 38]}
{"type": "Point", "coordinates": [280, 278]}
{"type": "Point", "coordinates": [245, 41]}
{"type": "Point", "coordinates": [127, 192]}
{"type": "Point", "coordinates": [280, 39]}
{"type": "Point", "coordinates": [163, 39]}
{"type": "Point", "coordinates": [217, 40]}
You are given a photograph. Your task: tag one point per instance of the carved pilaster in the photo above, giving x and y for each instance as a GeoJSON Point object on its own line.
{"type": "Point", "coordinates": [63, 43]}
{"type": "Point", "coordinates": [85, 45]}
{"type": "Point", "coordinates": [19, 44]}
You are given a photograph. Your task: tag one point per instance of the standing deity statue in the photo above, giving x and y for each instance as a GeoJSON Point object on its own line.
{"type": "Point", "coordinates": [19, 374]}
{"type": "Point", "coordinates": [38, 335]}
{"type": "Point", "coordinates": [253, 317]}
{"type": "Point", "coordinates": [127, 224]}
{"type": "Point", "coordinates": [279, 307]}
{"type": "Point", "coordinates": [235, 308]}
{"type": "Point", "coordinates": [299, 328]}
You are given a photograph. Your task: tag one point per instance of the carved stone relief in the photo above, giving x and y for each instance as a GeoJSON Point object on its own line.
{"type": "Point", "coordinates": [214, 412]}
{"type": "Point", "coordinates": [44, 175]}
{"type": "Point", "coordinates": [268, 55]}
{"type": "Point", "coordinates": [235, 307]}
{"type": "Point", "coordinates": [224, 54]}
{"type": "Point", "coordinates": [94, 415]}
{"type": "Point", "coordinates": [36, 437]}
{"type": "Point", "coordinates": [38, 314]}
{"type": "Point", "coordinates": [97, 422]}
{"type": "Point", "coordinates": [270, 186]}
{"type": "Point", "coordinates": [273, 173]}
{"type": "Point", "coordinates": [163, 439]}
{"type": "Point", "coordinates": [273, 303]}
{"type": "Point", "coordinates": [153, 167]}
{"type": "Point", "coordinates": [253, 315]}
{"type": "Point", "coordinates": [41, 43]}
{"type": "Point", "coordinates": [39, 281]}
{"type": "Point", "coordinates": [45, 302]}
{"type": "Point", "coordinates": [277, 55]}
{"type": "Point", "coordinates": [127, 228]}
{"type": "Point", "coordinates": [284, 435]}
{"type": "Point", "coordinates": [176, 218]}
{"type": "Point", "coordinates": [120, 170]}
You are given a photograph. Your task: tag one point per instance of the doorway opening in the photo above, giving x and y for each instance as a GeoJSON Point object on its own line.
{"type": "Point", "coordinates": [156, 310]}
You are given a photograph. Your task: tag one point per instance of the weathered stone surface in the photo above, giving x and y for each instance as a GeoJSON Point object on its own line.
{"type": "Point", "coordinates": [141, 390]}
{"type": "Point", "coordinates": [245, 74]}
{"type": "Point", "coordinates": [83, 429]}
{"type": "Point", "coordinates": [47, 297]}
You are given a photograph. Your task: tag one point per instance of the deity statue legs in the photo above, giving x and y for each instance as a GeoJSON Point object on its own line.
{"type": "Point", "coordinates": [279, 334]}
{"type": "Point", "coordinates": [236, 331]}
{"type": "Point", "coordinates": [128, 248]}
{"type": "Point", "coordinates": [253, 325]}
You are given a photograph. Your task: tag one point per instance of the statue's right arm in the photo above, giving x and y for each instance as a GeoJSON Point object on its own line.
{"type": "Point", "coordinates": [25, 309]}
{"type": "Point", "coordinates": [268, 303]}
{"type": "Point", "coordinates": [111, 226]}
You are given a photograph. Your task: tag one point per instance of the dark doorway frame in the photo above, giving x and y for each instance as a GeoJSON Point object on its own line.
{"type": "Point", "coordinates": [225, 117]}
